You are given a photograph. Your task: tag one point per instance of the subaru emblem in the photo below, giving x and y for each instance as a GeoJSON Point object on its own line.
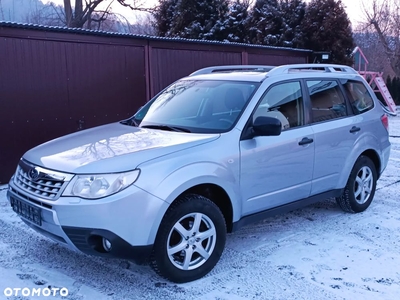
{"type": "Point", "coordinates": [34, 174]}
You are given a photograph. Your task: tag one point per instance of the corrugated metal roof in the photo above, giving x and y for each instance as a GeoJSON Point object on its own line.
{"type": "Point", "coordinates": [137, 36]}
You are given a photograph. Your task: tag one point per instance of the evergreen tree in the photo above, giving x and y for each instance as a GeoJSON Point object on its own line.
{"type": "Point", "coordinates": [293, 12]}
{"type": "Point", "coordinates": [215, 28]}
{"type": "Point", "coordinates": [393, 85]}
{"type": "Point", "coordinates": [163, 16]}
{"type": "Point", "coordinates": [236, 23]}
{"type": "Point", "coordinates": [327, 28]}
{"type": "Point", "coordinates": [395, 92]}
{"type": "Point", "coordinates": [265, 23]}
{"type": "Point", "coordinates": [193, 19]}
{"type": "Point", "coordinates": [389, 84]}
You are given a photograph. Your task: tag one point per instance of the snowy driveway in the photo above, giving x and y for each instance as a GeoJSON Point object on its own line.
{"type": "Point", "coordinates": [315, 253]}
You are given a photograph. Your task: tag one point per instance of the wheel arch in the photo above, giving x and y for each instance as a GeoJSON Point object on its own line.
{"type": "Point", "coordinates": [373, 155]}
{"type": "Point", "coordinates": [356, 152]}
{"type": "Point", "coordinates": [360, 188]}
{"type": "Point", "coordinates": [217, 195]}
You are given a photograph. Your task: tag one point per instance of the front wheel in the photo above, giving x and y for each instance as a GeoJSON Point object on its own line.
{"type": "Point", "coordinates": [360, 188]}
{"type": "Point", "coordinates": [190, 240]}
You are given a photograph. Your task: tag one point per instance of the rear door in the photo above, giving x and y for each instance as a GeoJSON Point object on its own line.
{"type": "Point", "coordinates": [335, 129]}
{"type": "Point", "coordinates": [276, 170]}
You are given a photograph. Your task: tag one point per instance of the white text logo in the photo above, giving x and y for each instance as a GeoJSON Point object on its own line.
{"type": "Point", "coordinates": [31, 292]}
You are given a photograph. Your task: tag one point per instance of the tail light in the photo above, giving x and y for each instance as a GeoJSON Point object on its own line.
{"type": "Point", "coordinates": [385, 121]}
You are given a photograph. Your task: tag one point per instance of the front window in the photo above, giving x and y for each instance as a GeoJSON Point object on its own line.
{"type": "Point", "coordinates": [283, 101]}
{"type": "Point", "coordinates": [200, 106]}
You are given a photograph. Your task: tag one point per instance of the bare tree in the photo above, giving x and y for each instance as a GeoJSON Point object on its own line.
{"type": "Point", "coordinates": [144, 24]}
{"type": "Point", "coordinates": [368, 40]}
{"type": "Point", "coordinates": [102, 18]}
{"type": "Point", "coordinates": [383, 16]}
{"type": "Point", "coordinates": [83, 13]}
{"type": "Point", "coordinates": [49, 15]}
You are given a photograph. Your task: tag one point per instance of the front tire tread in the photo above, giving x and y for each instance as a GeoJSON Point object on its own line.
{"type": "Point", "coordinates": [189, 203]}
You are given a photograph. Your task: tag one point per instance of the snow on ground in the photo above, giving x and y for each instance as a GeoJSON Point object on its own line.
{"type": "Point", "coordinates": [318, 252]}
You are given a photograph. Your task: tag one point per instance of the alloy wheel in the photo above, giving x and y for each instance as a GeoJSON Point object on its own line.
{"type": "Point", "coordinates": [363, 185]}
{"type": "Point", "coordinates": [191, 241]}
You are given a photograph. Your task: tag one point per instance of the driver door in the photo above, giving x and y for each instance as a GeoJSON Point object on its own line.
{"type": "Point", "coordinates": [276, 170]}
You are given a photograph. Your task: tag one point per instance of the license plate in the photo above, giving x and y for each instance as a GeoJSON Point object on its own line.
{"type": "Point", "coordinates": [27, 211]}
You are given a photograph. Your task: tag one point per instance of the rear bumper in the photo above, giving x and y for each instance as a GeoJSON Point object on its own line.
{"type": "Point", "coordinates": [385, 158]}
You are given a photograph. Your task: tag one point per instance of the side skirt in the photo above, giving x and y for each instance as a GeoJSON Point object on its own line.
{"type": "Point", "coordinates": [253, 218]}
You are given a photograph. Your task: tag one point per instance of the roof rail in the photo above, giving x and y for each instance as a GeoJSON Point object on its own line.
{"type": "Point", "coordinates": [327, 68]}
{"type": "Point", "coordinates": [231, 68]}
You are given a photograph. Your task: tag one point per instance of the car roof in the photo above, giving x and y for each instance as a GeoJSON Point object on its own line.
{"type": "Point", "coordinates": [255, 73]}
{"type": "Point", "coordinates": [231, 76]}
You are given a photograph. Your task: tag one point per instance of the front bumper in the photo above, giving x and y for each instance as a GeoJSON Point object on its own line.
{"type": "Point", "coordinates": [128, 219]}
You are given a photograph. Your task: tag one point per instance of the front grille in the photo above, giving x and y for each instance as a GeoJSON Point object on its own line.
{"type": "Point", "coordinates": [45, 184]}
{"type": "Point", "coordinates": [30, 199]}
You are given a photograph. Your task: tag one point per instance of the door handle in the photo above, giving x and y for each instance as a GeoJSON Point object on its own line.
{"type": "Point", "coordinates": [305, 141]}
{"type": "Point", "coordinates": [355, 129]}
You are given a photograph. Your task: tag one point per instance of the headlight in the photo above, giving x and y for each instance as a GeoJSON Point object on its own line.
{"type": "Point", "coordinates": [100, 185]}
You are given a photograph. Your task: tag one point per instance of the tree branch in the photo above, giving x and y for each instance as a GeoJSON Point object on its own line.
{"type": "Point", "coordinates": [137, 7]}
{"type": "Point", "coordinates": [68, 12]}
{"type": "Point", "coordinates": [63, 18]}
{"type": "Point", "coordinates": [384, 18]}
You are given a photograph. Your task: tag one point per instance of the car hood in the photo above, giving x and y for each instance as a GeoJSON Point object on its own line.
{"type": "Point", "coordinates": [111, 148]}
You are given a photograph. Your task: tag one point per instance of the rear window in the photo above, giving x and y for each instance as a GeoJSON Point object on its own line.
{"type": "Point", "coordinates": [360, 98]}
{"type": "Point", "coordinates": [327, 100]}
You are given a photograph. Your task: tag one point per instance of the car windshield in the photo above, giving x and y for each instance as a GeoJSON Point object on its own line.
{"type": "Point", "coordinates": [200, 106]}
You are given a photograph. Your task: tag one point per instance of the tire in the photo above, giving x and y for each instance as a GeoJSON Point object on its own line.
{"type": "Point", "coordinates": [190, 239]}
{"type": "Point", "coordinates": [360, 188]}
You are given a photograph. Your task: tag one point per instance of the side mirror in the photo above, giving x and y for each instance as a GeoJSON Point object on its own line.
{"type": "Point", "coordinates": [267, 126]}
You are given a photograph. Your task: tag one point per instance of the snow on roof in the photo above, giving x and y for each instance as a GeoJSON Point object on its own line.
{"type": "Point", "coordinates": [131, 35]}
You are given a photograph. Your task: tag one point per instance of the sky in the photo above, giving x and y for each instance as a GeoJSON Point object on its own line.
{"type": "Point", "coordinates": [354, 9]}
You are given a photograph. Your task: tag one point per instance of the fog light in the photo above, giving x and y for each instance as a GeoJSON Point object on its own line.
{"type": "Point", "coordinates": [107, 245]}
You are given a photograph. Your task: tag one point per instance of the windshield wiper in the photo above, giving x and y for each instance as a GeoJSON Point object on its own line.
{"type": "Point", "coordinates": [130, 122]}
{"type": "Point", "coordinates": [166, 127]}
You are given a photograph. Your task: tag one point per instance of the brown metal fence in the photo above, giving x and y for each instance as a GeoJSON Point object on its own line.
{"type": "Point", "coordinates": [56, 81]}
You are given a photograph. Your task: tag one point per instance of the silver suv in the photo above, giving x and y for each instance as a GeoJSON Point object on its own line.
{"type": "Point", "coordinates": [219, 149]}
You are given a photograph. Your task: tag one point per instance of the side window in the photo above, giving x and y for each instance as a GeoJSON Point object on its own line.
{"type": "Point", "coordinates": [284, 102]}
{"type": "Point", "coordinates": [360, 99]}
{"type": "Point", "coordinates": [327, 101]}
